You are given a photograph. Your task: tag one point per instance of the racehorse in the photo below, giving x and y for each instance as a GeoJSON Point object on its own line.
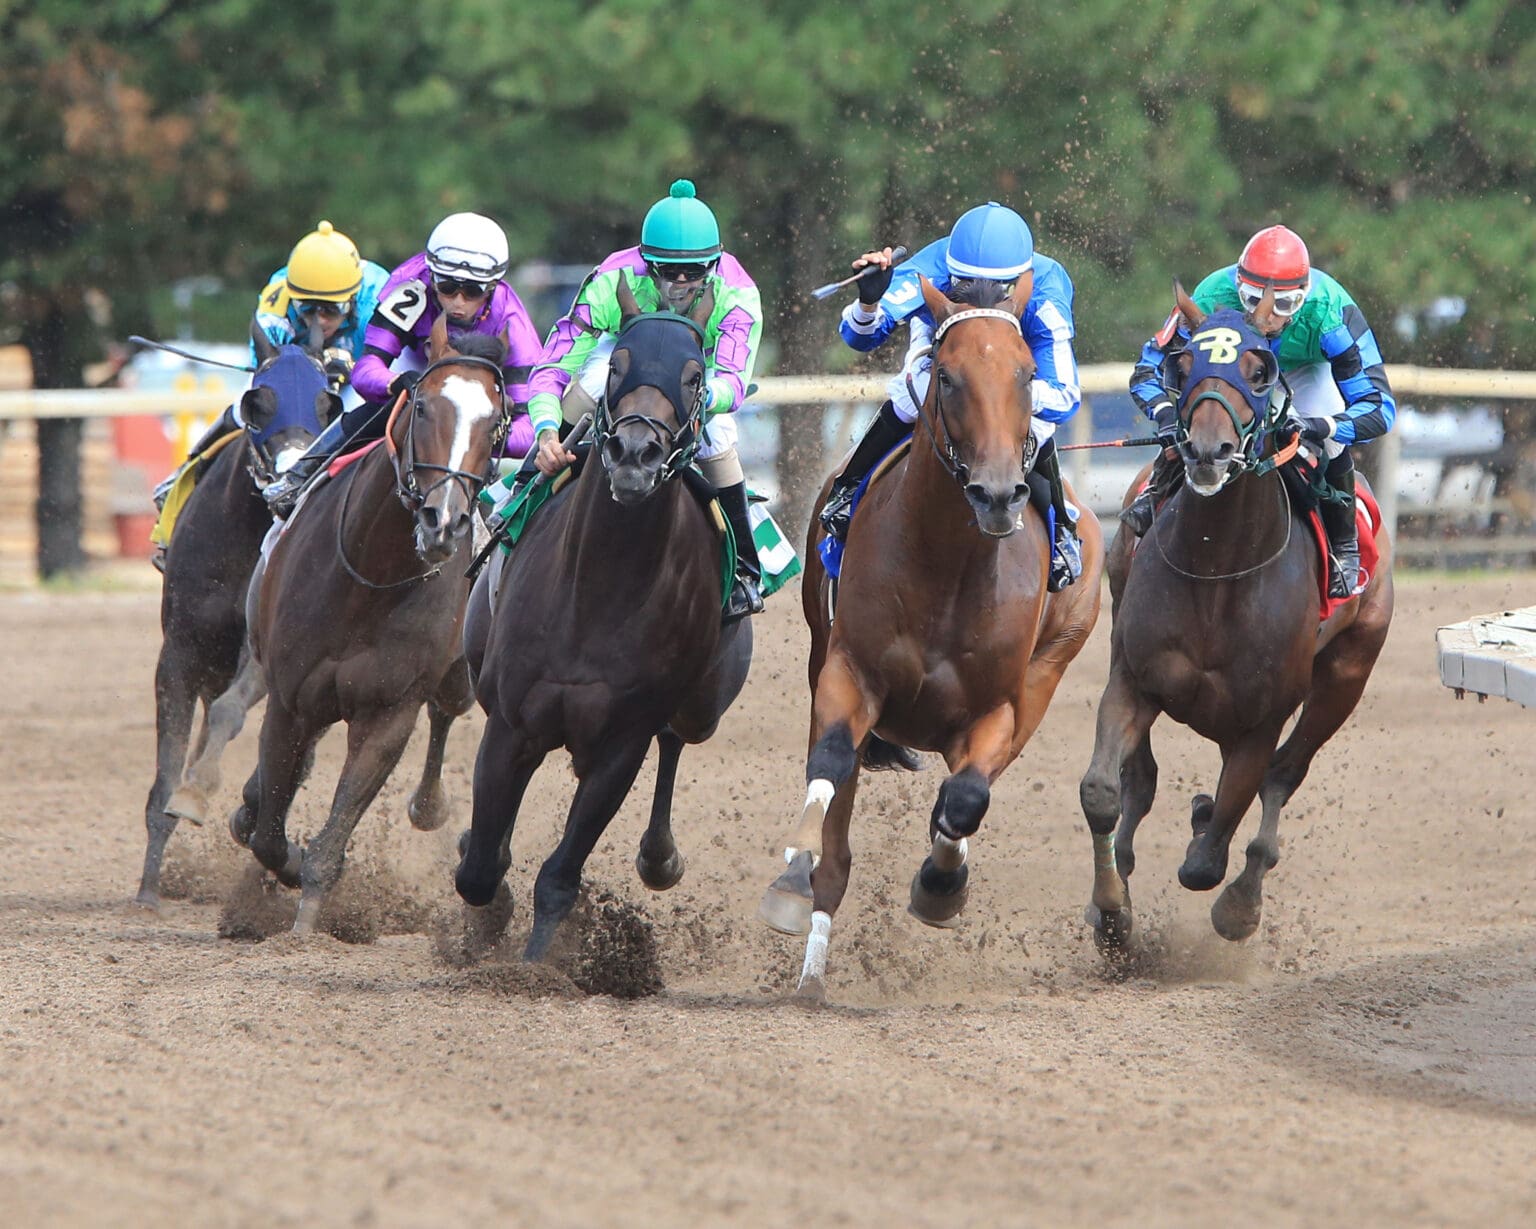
{"type": "Point", "coordinates": [608, 630]}
{"type": "Point", "coordinates": [359, 614]}
{"type": "Point", "coordinates": [1216, 623]}
{"type": "Point", "coordinates": [214, 548]}
{"type": "Point", "coordinates": [945, 637]}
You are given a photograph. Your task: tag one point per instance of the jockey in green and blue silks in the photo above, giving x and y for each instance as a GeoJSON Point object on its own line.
{"type": "Point", "coordinates": [1326, 351]}
{"type": "Point", "coordinates": [679, 256]}
{"type": "Point", "coordinates": [988, 244]}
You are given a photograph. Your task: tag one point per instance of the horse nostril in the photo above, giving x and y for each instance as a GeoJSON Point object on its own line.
{"type": "Point", "coordinates": [1225, 450]}
{"type": "Point", "coordinates": [1020, 494]}
{"type": "Point", "coordinates": [651, 454]}
{"type": "Point", "coordinates": [977, 495]}
{"type": "Point", "coordinates": [613, 450]}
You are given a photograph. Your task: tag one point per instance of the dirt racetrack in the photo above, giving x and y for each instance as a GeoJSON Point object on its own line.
{"type": "Point", "coordinates": [1369, 1057]}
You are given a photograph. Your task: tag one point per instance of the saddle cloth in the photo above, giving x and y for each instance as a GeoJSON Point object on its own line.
{"type": "Point", "coordinates": [182, 487]}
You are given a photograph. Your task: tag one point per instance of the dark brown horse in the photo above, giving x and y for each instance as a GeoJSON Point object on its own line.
{"type": "Point", "coordinates": [607, 633]}
{"type": "Point", "coordinates": [1216, 623]}
{"type": "Point", "coordinates": [360, 613]}
{"type": "Point", "coordinates": [214, 548]}
{"type": "Point", "coordinates": [945, 637]}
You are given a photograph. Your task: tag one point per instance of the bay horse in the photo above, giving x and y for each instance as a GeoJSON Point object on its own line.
{"type": "Point", "coordinates": [945, 637]}
{"type": "Point", "coordinates": [213, 550]}
{"type": "Point", "coordinates": [607, 633]}
{"type": "Point", "coordinates": [1216, 623]}
{"type": "Point", "coordinates": [360, 610]}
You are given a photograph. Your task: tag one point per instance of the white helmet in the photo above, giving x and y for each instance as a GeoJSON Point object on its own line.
{"type": "Point", "coordinates": [468, 245]}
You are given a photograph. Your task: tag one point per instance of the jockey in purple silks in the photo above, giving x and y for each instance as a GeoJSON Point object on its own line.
{"type": "Point", "coordinates": [459, 275]}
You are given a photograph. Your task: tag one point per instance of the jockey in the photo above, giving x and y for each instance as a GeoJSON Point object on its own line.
{"type": "Point", "coordinates": [987, 252]}
{"type": "Point", "coordinates": [458, 275]}
{"type": "Point", "coordinates": [1326, 351]}
{"type": "Point", "coordinates": [325, 281]}
{"type": "Point", "coordinates": [678, 257]}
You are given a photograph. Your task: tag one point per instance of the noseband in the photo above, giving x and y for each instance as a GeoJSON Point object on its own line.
{"type": "Point", "coordinates": [948, 454]}
{"type": "Point", "coordinates": [404, 458]}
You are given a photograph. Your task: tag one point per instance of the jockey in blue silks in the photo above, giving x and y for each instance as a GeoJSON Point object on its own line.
{"type": "Point", "coordinates": [978, 263]}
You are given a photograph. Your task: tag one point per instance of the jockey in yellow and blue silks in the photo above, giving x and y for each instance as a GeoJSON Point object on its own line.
{"type": "Point", "coordinates": [1326, 352]}
{"type": "Point", "coordinates": [326, 284]}
{"type": "Point", "coordinates": [988, 251]}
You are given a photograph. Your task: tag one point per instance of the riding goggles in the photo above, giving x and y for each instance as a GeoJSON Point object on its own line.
{"type": "Point", "coordinates": [323, 307]}
{"type": "Point", "coordinates": [1286, 302]}
{"type": "Point", "coordinates": [679, 273]}
{"type": "Point", "coordinates": [453, 285]}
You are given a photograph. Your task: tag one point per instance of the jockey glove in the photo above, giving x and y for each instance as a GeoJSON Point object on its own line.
{"type": "Point", "coordinates": [1315, 430]}
{"type": "Point", "coordinates": [405, 382]}
{"type": "Point", "coordinates": [873, 283]}
{"type": "Point", "coordinates": [1167, 419]}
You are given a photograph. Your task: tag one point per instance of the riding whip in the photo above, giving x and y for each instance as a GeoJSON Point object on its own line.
{"type": "Point", "coordinates": [574, 437]}
{"type": "Point", "coordinates": [898, 254]}
{"type": "Point", "coordinates": [1144, 441]}
{"type": "Point", "coordinates": [196, 358]}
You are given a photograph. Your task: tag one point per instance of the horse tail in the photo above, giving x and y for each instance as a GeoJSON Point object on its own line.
{"type": "Point", "coordinates": [883, 756]}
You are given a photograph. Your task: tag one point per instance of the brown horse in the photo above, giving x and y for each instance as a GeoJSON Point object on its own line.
{"type": "Point", "coordinates": [208, 569]}
{"type": "Point", "coordinates": [608, 633]}
{"type": "Point", "coordinates": [359, 615]}
{"type": "Point", "coordinates": [1216, 624]}
{"type": "Point", "coordinates": [945, 637]}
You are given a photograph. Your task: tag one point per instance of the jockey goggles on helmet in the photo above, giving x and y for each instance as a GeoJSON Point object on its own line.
{"type": "Point", "coordinates": [1287, 302]}
{"type": "Point", "coordinates": [323, 307]}
{"type": "Point", "coordinates": [456, 285]}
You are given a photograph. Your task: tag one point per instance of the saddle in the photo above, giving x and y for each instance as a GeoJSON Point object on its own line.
{"type": "Point", "coordinates": [831, 549]}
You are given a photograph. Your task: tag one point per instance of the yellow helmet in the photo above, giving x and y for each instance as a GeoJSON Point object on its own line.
{"type": "Point", "coordinates": [324, 265]}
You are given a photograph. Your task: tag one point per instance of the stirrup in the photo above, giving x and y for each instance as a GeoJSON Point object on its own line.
{"type": "Point", "coordinates": [745, 599]}
{"type": "Point", "coordinates": [1066, 563]}
{"type": "Point", "coordinates": [837, 513]}
{"type": "Point", "coordinates": [1343, 575]}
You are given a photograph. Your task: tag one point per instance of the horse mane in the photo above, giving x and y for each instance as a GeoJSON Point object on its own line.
{"type": "Point", "coordinates": [979, 292]}
{"type": "Point", "coordinates": [480, 345]}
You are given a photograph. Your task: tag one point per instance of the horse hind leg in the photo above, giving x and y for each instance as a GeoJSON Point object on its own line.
{"type": "Point", "coordinates": [598, 797]}
{"type": "Point", "coordinates": [1243, 767]}
{"type": "Point", "coordinates": [941, 886]}
{"type": "Point", "coordinates": [428, 808]}
{"type": "Point", "coordinates": [285, 744]}
{"type": "Point", "coordinates": [658, 861]}
{"type": "Point", "coordinates": [503, 770]}
{"type": "Point", "coordinates": [175, 703]}
{"type": "Point", "coordinates": [221, 726]}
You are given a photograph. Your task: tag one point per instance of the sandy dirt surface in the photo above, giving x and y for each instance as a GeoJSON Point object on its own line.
{"type": "Point", "coordinates": [1369, 1057]}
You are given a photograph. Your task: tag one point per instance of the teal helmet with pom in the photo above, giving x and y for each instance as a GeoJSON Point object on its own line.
{"type": "Point", "coordinates": [680, 229]}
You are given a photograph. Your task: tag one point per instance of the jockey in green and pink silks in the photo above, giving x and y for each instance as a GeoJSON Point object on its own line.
{"type": "Point", "coordinates": [678, 258]}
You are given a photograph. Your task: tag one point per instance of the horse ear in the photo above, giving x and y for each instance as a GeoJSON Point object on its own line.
{"type": "Point", "coordinates": [327, 406]}
{"type": "Point", "coordinates": [627, 305]}
{"type": "Point", "coordinates": [315, 344]}
{"type": "Point", "coordinates": [1193, 316]}
{"type": "Point", "coordinates": [939, 304]}
{"type": "Point", "coordinates": [258, 407]}
{"type": "Point", "coordinates": [703, 308]}
{"type": "Point", "coordinates": [259, 339]}
{"type": "Point", "coordinates": [437, 342]}
{"type": "Point", "coordinates": [1018, 300]}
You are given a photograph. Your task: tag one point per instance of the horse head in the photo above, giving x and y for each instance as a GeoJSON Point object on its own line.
{"type": "Point", "coordinates": [1226, 373]}
{"type": "Point", "coordinates": [451, 427]}
{"type": "Point", "coordinates": [652, 410]}
{"type": "Point", "coordinates": [287, 405]}
{"type": "Point", "coordinates": [978, 407]}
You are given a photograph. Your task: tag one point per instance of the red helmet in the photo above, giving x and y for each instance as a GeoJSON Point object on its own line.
{"type": "Point", "coordinates": [1275, 256]}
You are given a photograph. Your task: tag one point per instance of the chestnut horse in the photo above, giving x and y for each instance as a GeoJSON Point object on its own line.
{"type": "Point", "coordinates": [945, 637]}
{"type": "Point", "coordinates": [607, 634]}
{"type": "Point", "coordinates": [1216, 623]}
{"type": "Point", "coordinates": [213, 551]}
{"type": "Point", "coordinates": [360, 612]}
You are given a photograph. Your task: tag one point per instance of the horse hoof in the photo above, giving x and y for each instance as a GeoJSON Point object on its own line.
{"type": "Point", "coordinates": [1236, 915]}
{"type": "Point", "coordinates": [1201, 806]}
{"type": "Point", "coordinates": [241, 825]}
{"type": "Point", "coordinates": [938, 897]}
{"type": "Point", "coordinates": [291, 874]}
{"type": "Point", "coordinates": [786, 905]}
{"type": "Point", "coordinates": [430, 812]}
{"type": "Point", "coordinates": [188, 803]}
{"type": "Point", "coordinates": [308, 916]}
{"type": "Point", "coordinates": [659, 876]}
{"type": "Point", "coordinates": [149, 899]}
{"type": "Point", "coordinates": [1111, 928]}
{"type": "Point", "coordinates": [1200, 876]}
{"type": "Point", "coordinates": [812, 991]}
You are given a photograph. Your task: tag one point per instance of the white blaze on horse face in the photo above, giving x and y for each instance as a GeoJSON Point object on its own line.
{"type": "Point", "coordinates": [285, 458]}
{"type": "Point", "coordinates": [474, 406]}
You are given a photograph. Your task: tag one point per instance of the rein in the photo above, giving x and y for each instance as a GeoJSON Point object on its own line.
{"type": "Point", "coordinates": [1285, 508]}
{"type": "Point", "coordinates": [948, 454]}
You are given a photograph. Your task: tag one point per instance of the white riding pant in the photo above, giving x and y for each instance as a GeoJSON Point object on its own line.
{"type": "Point", "coordinates": [719, 435]}
{"type": "Point", "coordinates": [1314, 394]}
{"type": "Point", "coordinates": [918, 367]}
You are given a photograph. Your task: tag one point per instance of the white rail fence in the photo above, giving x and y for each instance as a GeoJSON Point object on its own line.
{"type": "Point", "coordinates": [1408, 382]}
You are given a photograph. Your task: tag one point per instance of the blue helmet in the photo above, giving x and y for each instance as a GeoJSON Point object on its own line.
{"type": "Point", "coordinates": [992, 242]}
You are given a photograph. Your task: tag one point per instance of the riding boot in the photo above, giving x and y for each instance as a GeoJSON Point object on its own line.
{"type": "Point", "coordinates": [1164, 480]}
{"type": "Point", "coordinates": [1343, 533]}
{"type": "Point", "coordinates": [746, 590]}
{"type": "Point", "coordinates": [1066, 552]}
{"type": "Point", "coordinates": [883, 434]}
{"type": "Point", "coordinates": [222, 426]}
{"type": "Point", "coordinates": [282, 494]}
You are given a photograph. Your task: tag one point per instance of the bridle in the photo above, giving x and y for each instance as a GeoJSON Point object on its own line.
{"type": "Point", "coordinates": [261, 465]}
{"type": "Point", "coordinates": [948, 454]}
{"type": "Point", "coordinates": [681, 444]}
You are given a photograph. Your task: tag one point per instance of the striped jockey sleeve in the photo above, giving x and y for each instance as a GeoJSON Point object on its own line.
{"type": "Point", "coordinates": [1056, 391]}
{"type": "Point", "coordinates": [1358, 370]}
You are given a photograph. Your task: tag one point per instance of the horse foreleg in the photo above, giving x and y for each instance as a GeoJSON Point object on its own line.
{"type": "Point", "coordinates": [222, 725]}
{"type": "Point", "coordinates": [375, 743]}
{"type": "Point", "coordinates": [1243, 763]}
{"type": "Point", "coordinates": [829, 884]}
{"type": "Point", "coordinates": [428, 807]}
{"type": "Point", "coordinates": [658, 862]}
{"type": "Point", "coordinates": [174, 705]}
{"type": "Point", "coordinates": [841, 717]}
{"type": "Point", "coordinates": [602, 790]}
{"type": "Point", "coordinates": [285, 744]}
{"type": "Point", "coordinates": [503, 768]}
{"type": "Point", "coordinates": [1124, 721]}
